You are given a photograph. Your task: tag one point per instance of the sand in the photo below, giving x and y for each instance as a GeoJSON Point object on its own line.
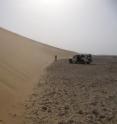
{"type": "Point", "coordinates": [36, 90]}
{"type": "Point", "coordinates": [75, 94]}
{"type": "Point", "coordinates": [22, 62]}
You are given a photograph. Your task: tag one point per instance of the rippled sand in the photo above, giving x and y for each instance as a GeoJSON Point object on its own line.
{"type": "Point", "coordinates": [75, 94]}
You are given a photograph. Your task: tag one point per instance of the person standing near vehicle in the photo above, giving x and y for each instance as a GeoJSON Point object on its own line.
{"type": "Point", "coordinates": [55, 58]}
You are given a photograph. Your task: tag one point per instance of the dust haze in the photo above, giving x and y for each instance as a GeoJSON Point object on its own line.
{"type": "Point", "coordinates": [78, 25]}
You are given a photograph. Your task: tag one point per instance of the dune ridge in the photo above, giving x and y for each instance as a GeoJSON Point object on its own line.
{"type": "Point", "coordinates": [22, 61]}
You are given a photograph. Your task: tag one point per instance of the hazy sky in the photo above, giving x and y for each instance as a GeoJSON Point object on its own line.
{"type": "Point", "coordinates": [80, 25]}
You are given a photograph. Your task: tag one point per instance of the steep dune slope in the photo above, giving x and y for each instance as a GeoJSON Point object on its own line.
{"type": "Point", "coordinates": [21, 62]}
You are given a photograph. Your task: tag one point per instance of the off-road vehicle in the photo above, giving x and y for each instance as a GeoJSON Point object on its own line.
{"type": "Point", "coordinates": [81, 59]}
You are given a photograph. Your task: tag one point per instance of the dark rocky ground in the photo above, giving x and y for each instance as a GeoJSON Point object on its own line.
{"type": "Point", "coordinates": [75, 94]}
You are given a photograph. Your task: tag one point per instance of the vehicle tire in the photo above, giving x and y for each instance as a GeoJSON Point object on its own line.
{"type": "Point", "coordinates": [88, 62]}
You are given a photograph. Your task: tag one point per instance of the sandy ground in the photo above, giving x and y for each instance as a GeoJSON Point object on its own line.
{"type": "Point", "coordinates": [22, 61]}
{"type": "Point", "coordinates": [75, 94]}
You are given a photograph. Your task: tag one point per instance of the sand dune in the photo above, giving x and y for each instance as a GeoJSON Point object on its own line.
{"type": "Point", "coordinates": [22, 61]}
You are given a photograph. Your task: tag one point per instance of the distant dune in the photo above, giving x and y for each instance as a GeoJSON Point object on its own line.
{"type": "Point", "coordinates": [22, 61]}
